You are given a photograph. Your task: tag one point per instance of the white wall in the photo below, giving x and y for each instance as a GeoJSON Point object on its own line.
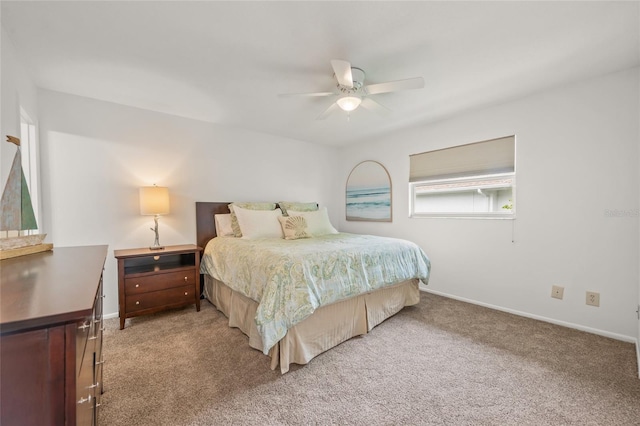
{"type": "Point", "coordinates": [95, 156]}
{"type": "Point", "coordinates": [577, 157]}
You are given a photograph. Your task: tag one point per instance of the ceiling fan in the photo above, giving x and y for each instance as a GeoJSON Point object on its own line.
{"type": "Point", "coordinates": [352, 92]}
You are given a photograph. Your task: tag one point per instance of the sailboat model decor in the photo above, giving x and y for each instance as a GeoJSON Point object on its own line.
{"type": "Point", "coordinates": [16, 213]}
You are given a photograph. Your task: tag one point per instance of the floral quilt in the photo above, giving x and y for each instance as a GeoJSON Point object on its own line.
{"type": "Point", "coordinates": [290, 279]}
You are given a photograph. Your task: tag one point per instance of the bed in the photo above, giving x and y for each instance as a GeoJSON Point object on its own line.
{"type": "Point", "coordinates": [324, 314]}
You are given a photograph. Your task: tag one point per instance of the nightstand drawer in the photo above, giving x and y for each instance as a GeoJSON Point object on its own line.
{"type": "Point", "coordinates": [158, 282]}
{"type": "Point", "coordinates": [173, 296]}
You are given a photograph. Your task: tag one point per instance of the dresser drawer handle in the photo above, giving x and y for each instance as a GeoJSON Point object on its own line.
{"type": "Point", "coordinates": [186, 293]}
{"type": "Point", "coordinates": [95, 337]}
{"type": "Point", "coordinates": [186, 279]}
{"type": "Point", "coordinates": [137, 285]}
{"type": "Point", "coordinates": [83, 400]}
{"type": "Point", "coordinates": [137, 302]}
{"type": "Point", "coordinates": [84, 326]}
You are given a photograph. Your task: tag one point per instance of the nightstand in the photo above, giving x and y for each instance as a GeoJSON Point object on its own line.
{"type": "Point", "coordinates": [150, 281]}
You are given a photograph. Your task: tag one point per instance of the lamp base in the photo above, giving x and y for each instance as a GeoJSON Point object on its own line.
{"type": "Point", "coordinates": [156, 243]}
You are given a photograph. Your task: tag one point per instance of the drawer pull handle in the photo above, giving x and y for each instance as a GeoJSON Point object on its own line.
{"type": "Point", "coordinates": [186, 293]}
{"type": "Point", "coordinates": [95, 337]}
{"type": "Point", "coordinates": [137, 285]}
{"type": "Point", "coordinates": [100, 362]}
{"type": "Point", "coordinates": [95, 385]}
{"type": "Point", "coordinates": [186, 279]}
{"type": "Point", "coordinates": [84, 326]}
{"type": "Point", "coordinates": [137, 302]}
{"type": "Point", "coordinates": [83, 400]}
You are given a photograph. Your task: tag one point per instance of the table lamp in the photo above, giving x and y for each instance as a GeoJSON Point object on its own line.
{"type": "Point", "coordinates": [154, 201]}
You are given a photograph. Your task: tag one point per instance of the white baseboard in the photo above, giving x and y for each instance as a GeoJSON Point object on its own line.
{"type": "Point", "coordinates": [604, 333]}
{"type": "Point", "coordinates": [109, 316]}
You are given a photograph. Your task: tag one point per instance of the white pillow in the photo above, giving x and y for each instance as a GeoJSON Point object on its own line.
{"type": "Point", "coordinates": [223, 225]}
{"type": "Point", "coordinates": [317, 222]}
{"type": "Point", "coordinates": [258, 223]}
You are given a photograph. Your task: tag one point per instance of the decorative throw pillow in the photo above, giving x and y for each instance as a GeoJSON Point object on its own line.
{"type": "Point", "coordinates": [317, 222]}
{"type": "Point", "coordinates": [259, 223]}
{"type": "Point", "coordinates": [250, 206]}
{"type": "Point", "coordinates": [223, 225]}
{"type": "Point", "coordinates": [294, 227]}
{"type": "Point", "coordinates": [299, 207]}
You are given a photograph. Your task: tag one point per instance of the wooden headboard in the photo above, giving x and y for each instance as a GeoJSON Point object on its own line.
{"type": "Point", "coordinates": [205, 225]}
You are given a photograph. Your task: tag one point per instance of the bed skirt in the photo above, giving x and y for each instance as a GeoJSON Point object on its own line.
{"type": "Point", "coordinates": [327, 327]}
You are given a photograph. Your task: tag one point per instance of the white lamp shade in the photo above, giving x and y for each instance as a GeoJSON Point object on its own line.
{"type": "Point", "coordinates": [154, 200]}
{"type": "Point", "coordinates": [349, 103]}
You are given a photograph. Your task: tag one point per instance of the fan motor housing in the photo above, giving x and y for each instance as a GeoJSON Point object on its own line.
{"type": "Point", "coordinates": [357, 75]}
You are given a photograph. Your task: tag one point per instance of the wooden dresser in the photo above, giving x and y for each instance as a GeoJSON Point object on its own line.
{"type": "Point", "coordinates": [51, 337]}
{"type": "Point", "coordinates": [153, 280]}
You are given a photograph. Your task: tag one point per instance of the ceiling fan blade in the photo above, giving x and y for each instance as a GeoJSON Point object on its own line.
{"type": "Point", "coordinates": [342, 69]}
{"type": "Point", "coordinates": [327, 112]}
{"type": "Point", "coordinates": [374, 106]}
{"type": "Point", "coordinates": [318, 94]}
{"type": "Point", "coordinates": [394, 86]}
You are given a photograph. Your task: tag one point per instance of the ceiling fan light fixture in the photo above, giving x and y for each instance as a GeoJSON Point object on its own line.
{"type": "Point", "coordinates": [349, 102]}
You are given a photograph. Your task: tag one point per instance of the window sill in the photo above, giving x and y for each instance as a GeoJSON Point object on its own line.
{"type": "Point", "coordinates": [494, 216]}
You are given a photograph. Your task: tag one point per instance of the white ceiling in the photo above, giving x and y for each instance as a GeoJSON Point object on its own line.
{"type": "Point", "coordinates": [225, 62]}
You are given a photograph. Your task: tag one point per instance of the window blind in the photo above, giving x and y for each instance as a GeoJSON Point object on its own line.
{"type": "Point", "coordinates": [480, 158]}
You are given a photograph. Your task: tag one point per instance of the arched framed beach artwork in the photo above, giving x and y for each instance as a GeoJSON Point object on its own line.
{"type": "Point", "coordinates": [368, 195]}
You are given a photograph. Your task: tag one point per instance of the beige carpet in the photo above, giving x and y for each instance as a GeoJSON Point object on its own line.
{"type": "Point", "coordinates": [442, 362]}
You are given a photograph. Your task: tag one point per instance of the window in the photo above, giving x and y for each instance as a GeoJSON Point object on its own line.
{"type": "Point", "coordinates": [473, 180]}
{"type": "Point", "coordinates": [28, 148]}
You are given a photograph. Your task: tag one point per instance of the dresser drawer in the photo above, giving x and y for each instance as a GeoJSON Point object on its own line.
{"type": "Point", "coordinates": [85, 389]}
{"type": "Point", "coordinates": [148, 283]}
{"type": "Point", "coordinates": [83, 331]}
{"type": "Point", "coordinates": [98, 322]}
{"type": "Point", "coordinates": [172, 296]}
{"type": "Point", "coordinates": [89, 335]}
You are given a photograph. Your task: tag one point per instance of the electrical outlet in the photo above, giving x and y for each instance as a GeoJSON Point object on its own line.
{"type": "Point", "coordinates": [557, 292]}
{"type": "Point", "coordinates": [593, 298]}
